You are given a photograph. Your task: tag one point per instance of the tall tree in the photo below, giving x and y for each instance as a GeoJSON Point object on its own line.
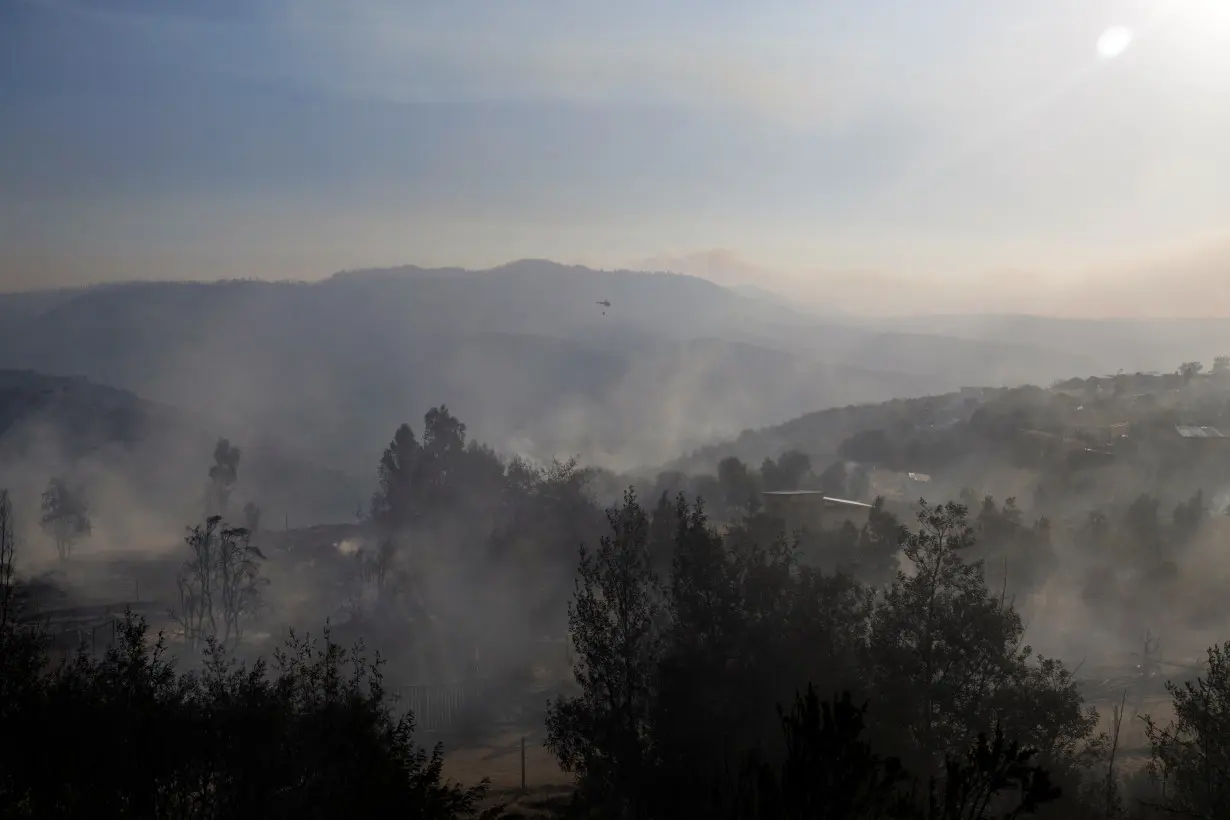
{"type": "Point", "coordinates": [738, 486]}
{"type": "Point", "coordinates": [947, 657]}
{"type": "Point", "coordinates": [8, 553]}
{"type": "Point", "coordinates": [603, 735]}
{"type": "Point", "coordinates": [251, 517]}
{"type": "Point", "coordinates": [858, 485]}
{"type": "Point", "coordinates": [223, 475]}
{"type": "Point", "coordinates": [833, 481]}
{"type": "Point", "coordinates": [395, 505]}
{"type": "Point", "coordinates": [220, 584]}
{"type": "Point", "coordinates": [787, 473]}
{"type": "Point", "coordinates": [65, 516]}
{"type": "Point", "coordinates": [1190, 370]}
{"type": "Point", "coordinates": [1191, 754]}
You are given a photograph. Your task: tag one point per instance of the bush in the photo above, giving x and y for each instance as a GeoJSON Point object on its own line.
{"type": "Point", "coordinates": [129, 736]}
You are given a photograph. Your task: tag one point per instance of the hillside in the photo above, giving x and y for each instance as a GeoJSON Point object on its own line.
{"type": "Point", "coordinates": [522, 352]}
{"type": "Point", "coordinates": [1079, 442]}
{"type": "Point", "coordinates": [143, 464]}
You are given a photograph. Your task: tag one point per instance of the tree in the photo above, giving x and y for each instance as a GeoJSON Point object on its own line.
{"type": "Point", "coordinates": [1221, 365]}
{"type": "Point", "coordinates": [251, 517]}
{"type": "Point", "coordinates": [662, 526]}
{"type": "Point", "coordinates": [1190, 370]}
{"type": "Point", "coordinates": [8, 553]}
{"type": "Point", "coordinates": [879, 543]}
{"type": "Point", "coordinates": [1191, 755]}
{"type": "Point", "coordinates": [313, 735]}
{"type": "Point", "coordinates": [65, 516]}
{"type": "Point", "coordinates": [787, 473]}
{"type": "Point", "coordinates": [833, 479]}
{"type": "Point", "coordinates": [395, 505]}
{"type": "Point", "coordinates": [603, 735]}
{"type": "Point", "coordinates": [444, 449]}
{"type": "Point", "coordinates": [752, 623]}
{"type": "Point", "coordinates": [830, 771]}
{"type": "Point", "coordinates": [421, 481]}
{"type": "Point", "coordinates": [1187, 518]}
{"type": "Point", "coordinates": [220, 585]}
{"type": "Point", "coordinates": [738, 486]}
{"type": "Point", "coordinates": [858, 485]}
{"type": "Point", "coordinates": [947, 657]}
{"type": "Point", "coordinates": [222, 478]}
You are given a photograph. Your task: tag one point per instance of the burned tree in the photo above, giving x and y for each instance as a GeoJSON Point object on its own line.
{"type": "Point", "coordinates": [65, 516]}
{"type": "Point", "coordinates": [252, 517]}
{"type": "Point", "coordinates": [222, 477]}
{"type": "Point", "coordinates": [220, 585]}
{"type": "Point", "coordinates": [8, 549]}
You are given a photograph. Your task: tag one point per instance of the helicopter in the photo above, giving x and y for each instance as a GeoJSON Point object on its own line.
{"type": "Point", "coordinates": [606, 303]}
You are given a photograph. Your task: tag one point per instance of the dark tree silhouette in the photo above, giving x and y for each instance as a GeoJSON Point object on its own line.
{"type": "Point", "coordinates": [65, 516]}
{"type": "Point", "coordinates": [251, 517]}
{"type": "Point", "coordinates": [603, 735]}
{"type": "Point", "coordinates": [223, 475]}
{"type": "Point", "coordinates": [312, 737]}
{"type": "Point", "coordinates": [220, 585]}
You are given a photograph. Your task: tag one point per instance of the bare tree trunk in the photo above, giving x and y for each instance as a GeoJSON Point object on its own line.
{"type": "Point", "coordinates": [8, 550]}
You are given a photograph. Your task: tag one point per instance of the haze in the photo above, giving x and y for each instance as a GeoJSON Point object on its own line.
{"type": "Point", "coordinates": [877, 157]}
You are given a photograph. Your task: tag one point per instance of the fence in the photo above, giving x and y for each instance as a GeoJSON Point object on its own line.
{"type": "Point", "coordinates": [443, 706]}
{"type": "Point", "coordinates": [92, 627]}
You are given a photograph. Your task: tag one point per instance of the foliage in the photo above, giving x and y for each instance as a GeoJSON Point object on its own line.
{"type": "Point", "coordinates": [830, 771]}
{"type": "Point", "coordinates": [738, 486]}
{"type": "Point", "coordinates": [8, 554]}
{"type": "Point", "coordinates": [220, 585]}
{"type": "Point", "coordinates": [603, 735]}
{"type": "Point", "coordinates": [65, 515]}
{"type": "Point", "coordinates": [947, 660]}
{"type": "Point", "coordinates": [251, 517]}
{"type": "Point", "coordinates": [1189, 370]}
{"type": "Point", "coordinates": [1191, 754]}
{"type": "Point", "coordinates": [833, 481]}
{"type": "Point", "coordinates": [788, 472]}
{"type": "Point", "coordinates": [940, 654]}
{"type": "Point", "coordinates": [313, 737]}
{"type": "Point", "coordinates": [223, 475]}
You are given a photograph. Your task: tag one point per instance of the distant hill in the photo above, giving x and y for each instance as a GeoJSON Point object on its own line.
{"type": "Point", "coordinates": [143, 464]}
{"type": "Point", "coordinates": [1096, 436]}
{"type": "Point", "coordinates": [522, 353]}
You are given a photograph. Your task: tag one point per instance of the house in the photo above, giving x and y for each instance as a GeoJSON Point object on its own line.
{"type": "Point", "coordinates": [814, 510]}
{"type": "Point", "coordinates": [1201, 433]}
{"type": "Point", "coordinates": [1101, 434]}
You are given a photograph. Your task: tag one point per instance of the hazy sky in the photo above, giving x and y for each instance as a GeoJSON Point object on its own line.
{"type": "Point", "coordinates": [815, 142]}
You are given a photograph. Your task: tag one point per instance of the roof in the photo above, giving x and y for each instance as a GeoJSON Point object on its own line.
{"type": "Point", "coordinates": [1199, 432]}
{"type": "Point", "coordinates": [820, 493]}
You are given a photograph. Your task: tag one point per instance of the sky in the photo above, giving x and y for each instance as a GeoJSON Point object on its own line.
{"type": "Point", "coordinates": [1051, 155]}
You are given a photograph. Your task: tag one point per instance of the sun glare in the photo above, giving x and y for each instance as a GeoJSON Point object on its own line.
{"type": "Point", "coordinates": [1114, 41]}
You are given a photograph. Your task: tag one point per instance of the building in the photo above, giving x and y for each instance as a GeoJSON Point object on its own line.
{"type": "Point", "coordinates": [814, 510]}
{"type": "Point", "coordinates": [1200, 433]}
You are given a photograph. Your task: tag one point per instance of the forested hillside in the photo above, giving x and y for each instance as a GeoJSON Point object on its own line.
{"type": "Point", "coordinates": [524, 351]}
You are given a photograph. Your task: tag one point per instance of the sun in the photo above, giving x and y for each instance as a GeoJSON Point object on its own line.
{"type": "Point", "coordinates": [1114, 41]}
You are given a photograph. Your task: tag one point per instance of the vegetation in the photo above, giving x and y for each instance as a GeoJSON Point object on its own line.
{"type": "Point", "coordinates": [727, 664]}
{"type": "Point", "coordinates": [311, 734]}
{"type": "Point", "coordinates": [220, 585]}
{"type": "Point", "coordinates": [65, 516]}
